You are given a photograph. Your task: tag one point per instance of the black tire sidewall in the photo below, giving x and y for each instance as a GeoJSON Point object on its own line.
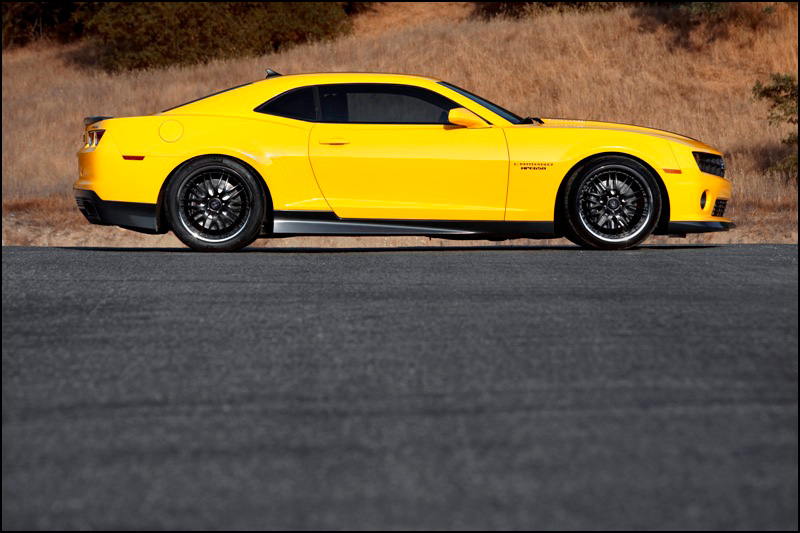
{"type": "Point", "coordinates": [575, 230]}
{"type": "Point", "coordinates": [252, 228]}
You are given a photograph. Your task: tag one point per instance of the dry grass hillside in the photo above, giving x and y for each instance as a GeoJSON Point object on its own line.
{"type": "Point", "coordinates": [606, 66]}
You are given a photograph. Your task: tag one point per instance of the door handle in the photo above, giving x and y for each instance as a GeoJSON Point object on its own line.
{"type": "Point", "coordinates": [336, 141]}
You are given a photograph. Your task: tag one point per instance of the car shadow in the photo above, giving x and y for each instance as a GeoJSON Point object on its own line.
{"type": "Point", "coordinates": [397, 249]}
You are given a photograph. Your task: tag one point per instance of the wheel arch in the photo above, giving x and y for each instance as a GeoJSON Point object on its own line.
{"type": "Point", "coordinates": [663, 220]}
{"type": "Point", "coordinates": [161, 212]}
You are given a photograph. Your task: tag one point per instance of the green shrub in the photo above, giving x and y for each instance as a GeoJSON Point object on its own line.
{"type": "Point", "coordinates": [781, 93]}
{"type": "Point", "coordinates": [155, 34]}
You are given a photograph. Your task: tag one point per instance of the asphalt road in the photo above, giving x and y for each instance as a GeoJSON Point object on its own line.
{"type": "Point", "coordinates": [416, 388]}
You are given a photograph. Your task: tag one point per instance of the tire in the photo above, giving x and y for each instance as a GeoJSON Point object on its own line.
{"type": "Point", "coordinates": [611, 203]}
{"type": "Point", "coordinates": [215, 204]}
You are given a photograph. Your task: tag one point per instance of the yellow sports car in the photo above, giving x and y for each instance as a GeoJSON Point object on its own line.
{"type": "Point", "coordinates": [386, 154]}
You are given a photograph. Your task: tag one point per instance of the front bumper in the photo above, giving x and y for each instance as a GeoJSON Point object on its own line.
{"type": "Point", "coordinates": [682, 228]}
{"type": "Point", "coordinates": [686, 189]}
{"type": "Point", "coordinates": [134, 216]}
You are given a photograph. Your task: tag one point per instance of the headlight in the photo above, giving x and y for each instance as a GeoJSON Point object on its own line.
{"type": "Point", "coordinates": [710, 163]}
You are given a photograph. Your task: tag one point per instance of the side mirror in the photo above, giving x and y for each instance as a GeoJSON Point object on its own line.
{"type": "Point", "coordinates": [464, 117]}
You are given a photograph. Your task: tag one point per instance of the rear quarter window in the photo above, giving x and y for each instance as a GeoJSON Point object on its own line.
{"type": "Point", "coordinates": [297, 104]}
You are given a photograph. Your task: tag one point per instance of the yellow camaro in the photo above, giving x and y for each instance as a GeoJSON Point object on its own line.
{"type": "Point", "coordinates": [386, 154]}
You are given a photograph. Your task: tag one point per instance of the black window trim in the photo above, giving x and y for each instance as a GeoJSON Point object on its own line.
{"type": "Point", "coordinates": [318, 107]}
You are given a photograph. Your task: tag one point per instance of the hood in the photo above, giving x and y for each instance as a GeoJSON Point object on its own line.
{"type": "Point", "coordinates": [613, 126]}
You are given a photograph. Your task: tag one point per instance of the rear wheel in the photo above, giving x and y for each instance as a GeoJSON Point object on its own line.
{"type": "Point", "coordinates": [215, 204]}
{"type": "Point", "coordinates": [612, 203]}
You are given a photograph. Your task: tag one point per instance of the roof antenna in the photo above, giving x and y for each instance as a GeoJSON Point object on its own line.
{"type": "Point", "coordinates": [271, 73]}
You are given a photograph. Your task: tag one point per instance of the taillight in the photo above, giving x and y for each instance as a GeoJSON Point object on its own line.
{"type": "Point", "coordinates": [93, 137]}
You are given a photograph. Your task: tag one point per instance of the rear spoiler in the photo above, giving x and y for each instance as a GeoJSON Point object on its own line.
{"type": "Point", "coordinates": [88, 121]}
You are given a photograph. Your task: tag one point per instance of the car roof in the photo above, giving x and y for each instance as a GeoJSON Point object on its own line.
{"type": "Point", "coordinates": [349, 77]}
{"type": "Point", "coordinates": [250, 95]}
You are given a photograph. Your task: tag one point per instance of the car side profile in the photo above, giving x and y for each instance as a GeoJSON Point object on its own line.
{"type": "Point", "coordinates": [386, 154]}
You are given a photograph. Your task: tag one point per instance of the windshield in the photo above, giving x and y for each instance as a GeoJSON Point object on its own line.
{"type": "Point", "coordinates": [494, 108]}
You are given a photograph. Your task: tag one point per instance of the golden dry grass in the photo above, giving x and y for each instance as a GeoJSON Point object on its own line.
{"type": "Point", "coordinates": [602, 66]}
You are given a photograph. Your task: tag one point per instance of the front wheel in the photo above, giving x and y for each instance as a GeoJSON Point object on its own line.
{"type": "Point", "coordinates": [612, 203]}
{"type": "Point", "coordinates": [215, 204]}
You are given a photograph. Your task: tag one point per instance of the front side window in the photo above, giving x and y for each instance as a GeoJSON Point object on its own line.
{"type": "Point", "coordinates": [297, 104]}
{"type": "Point", "coordinates": [372, 103]}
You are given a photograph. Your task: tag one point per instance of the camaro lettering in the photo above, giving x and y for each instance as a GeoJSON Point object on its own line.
{"type": "Point", "coordinates": [533, 166]}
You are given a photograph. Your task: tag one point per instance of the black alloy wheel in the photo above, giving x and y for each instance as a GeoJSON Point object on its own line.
{"type": "Point", "coordinates": [215, 204]}
{"type": "Point", "coordinates": [612, 203]}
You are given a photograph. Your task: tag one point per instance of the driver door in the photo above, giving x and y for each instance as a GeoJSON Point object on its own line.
{"type": "Point", "coordinates": [386, 151]}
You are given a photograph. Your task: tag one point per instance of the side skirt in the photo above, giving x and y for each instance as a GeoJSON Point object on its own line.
{"type": "Point", "coordinates": [305, 223]}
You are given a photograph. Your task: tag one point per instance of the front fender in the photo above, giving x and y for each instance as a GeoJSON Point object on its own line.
{"type": "Point", "coordinates": [541, 159]}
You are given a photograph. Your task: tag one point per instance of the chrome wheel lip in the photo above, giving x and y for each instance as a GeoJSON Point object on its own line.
{"type": "Point", "coordinates": [644, 214]}
{"type": "Point", "coordinates": [215, 176]}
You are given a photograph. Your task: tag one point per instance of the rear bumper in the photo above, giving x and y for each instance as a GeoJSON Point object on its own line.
{"type": "Point", "coordinates": [129, 215]}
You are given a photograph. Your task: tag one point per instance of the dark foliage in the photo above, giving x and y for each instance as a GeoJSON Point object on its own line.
{"type": "Point", "coordinates": [155, 34]}
{"type": "Point", "coordinates": [696, 24]}
{"type": "Point", "coordinates": [127, 35]}
{"type": "Point", "coordinates": [24, 22]}
{"type": "Point", "coordinates": [358, 7]}
{"type": "Point", "coordinates": [517, 9]}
